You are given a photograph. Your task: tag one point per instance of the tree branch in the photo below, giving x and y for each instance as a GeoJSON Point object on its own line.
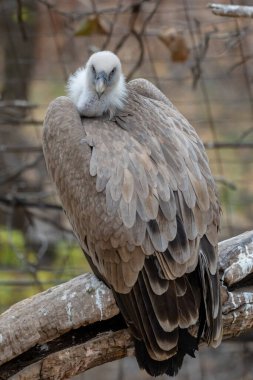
{"type": "Point", "coordinates": [76, 326]}
{"type": "Point", "coordinates": [231, 10]}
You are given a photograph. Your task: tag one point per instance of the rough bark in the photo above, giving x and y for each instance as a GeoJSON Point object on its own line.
{"type": "Point", "coordinates": [75, 326]}
{"type": "Point", "coordinates": [231, 10]}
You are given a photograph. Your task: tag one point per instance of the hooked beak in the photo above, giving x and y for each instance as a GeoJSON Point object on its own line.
{"type": "Point", "coordinates": [101, 83]}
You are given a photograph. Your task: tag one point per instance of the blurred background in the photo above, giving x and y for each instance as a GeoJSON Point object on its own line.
{"type": "Point", "coordinates": [202, 62]}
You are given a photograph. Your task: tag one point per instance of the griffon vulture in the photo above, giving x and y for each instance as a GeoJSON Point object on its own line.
{"type": "Point", "coordinates": [134, 180]}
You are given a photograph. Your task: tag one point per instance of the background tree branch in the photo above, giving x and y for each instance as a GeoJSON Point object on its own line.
{"type": "Point", "coordinates": [231, 10]}
{"type": "Point", "coordinates": [75, 326]}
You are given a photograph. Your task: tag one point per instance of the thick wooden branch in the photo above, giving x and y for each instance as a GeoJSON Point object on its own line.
{"type": "Point", "coordinates": [231, 10]}
{"type": "Point", "coordinates": [76, 326]}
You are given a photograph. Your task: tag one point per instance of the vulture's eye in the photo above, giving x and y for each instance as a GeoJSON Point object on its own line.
{"type": "Point", "coordinates": [112, 72]}
{"type": "Point", "coordinates": [93, 69]}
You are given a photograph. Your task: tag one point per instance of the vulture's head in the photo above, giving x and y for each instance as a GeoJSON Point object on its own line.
{"type": "Point", "coordinates": [99, 87]}
{"type": "Point", "coordinates": [104, 72]}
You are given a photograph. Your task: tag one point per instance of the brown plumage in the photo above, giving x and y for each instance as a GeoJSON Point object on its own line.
{"type": "Point", "coordinates": [141, 199]}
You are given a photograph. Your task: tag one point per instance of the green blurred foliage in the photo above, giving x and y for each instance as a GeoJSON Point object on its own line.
{"type": "Point", "coordinates": [9, 240]}
{"type": "Point", "coordinates": [22, 275]}
{"type": "Point", "coordinates": [25, 15]}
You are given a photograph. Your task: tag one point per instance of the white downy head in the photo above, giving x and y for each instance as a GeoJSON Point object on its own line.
{"type": "Point", "coordinates": [102, 77]}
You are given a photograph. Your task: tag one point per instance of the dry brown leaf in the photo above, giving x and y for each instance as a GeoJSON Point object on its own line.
{"type": "Point", "coordinates": [92, 25]}
{"type": "Point", "coordinates": [175, 41]}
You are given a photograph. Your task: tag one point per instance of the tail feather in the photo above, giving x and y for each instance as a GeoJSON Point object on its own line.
{"type": "Point", "coordinates": [187, 344]}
